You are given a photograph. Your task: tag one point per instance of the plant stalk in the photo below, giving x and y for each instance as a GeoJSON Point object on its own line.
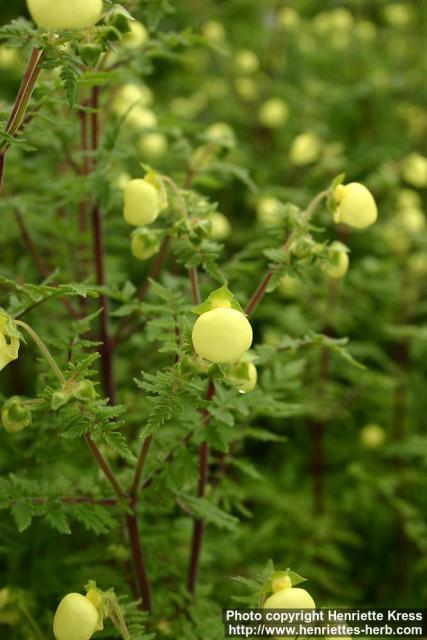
{"type": "Point", "coordinates": [22, 100]}
{"type": "Point", "coordinates": [43, 348]}
{"type": "Point", "coordinates": [199, 524]}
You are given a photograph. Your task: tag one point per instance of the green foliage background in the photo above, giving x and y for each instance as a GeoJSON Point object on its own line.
{"type": "Point", "coordinates": [300, 487]}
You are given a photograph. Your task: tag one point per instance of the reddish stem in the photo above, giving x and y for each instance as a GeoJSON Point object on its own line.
{"type": "Point", "coordinates": [105, 467]}
{"type": "Point", "coordinates": [258, 294]}
{"type": "Point", "coordinates": [39, 263]}
{"type": "Point", "coordinates": [155, 269]}
{"type": "Point", "coordinates": [199, 524]}
{"type": "Point", "coordinates": [140, 466]}
{"type": "Point", "coordinates": [22, 100]}
{"type": "Point", "coordinates": [99, 253]}
{"type": "Point", "coordinates": [139, 560]}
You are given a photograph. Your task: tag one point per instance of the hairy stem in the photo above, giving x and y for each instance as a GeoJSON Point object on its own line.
{"type": "Point", "coordinates": [262, 287]}
{"type": "Point", "coordinates": [43, 348]}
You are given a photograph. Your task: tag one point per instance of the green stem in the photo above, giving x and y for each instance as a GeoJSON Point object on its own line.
{"type": "Point", "coordinates": [43, 348]}
{"type": "Point", "coordinates": [31, 620]}
{"type": "Point", "coordinates": [178, 195]}
{"type": "Point", "coordinates": [117, 617]}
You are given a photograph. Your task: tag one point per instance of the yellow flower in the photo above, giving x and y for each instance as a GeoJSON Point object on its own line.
{"type": "Point", "coordinates": [63, 14]}
{"type": "Point", "coordinates": [76, 618]}
{"type": "Point", "coordinates": [290, 598]}
{"type": "Point", "coordinates": [246, 88]}
{"type": "Point", "coordinates": [220, 226]}
{"type": "Point", "coordinates": [222, 134]}
{"type": "Point", "coordinates": [268, 210]}
{"type": "Point", "coordinates": [9, 340]}
{"type": "Point", "coordinates": [9, 58]}
{"type": "Point", "coordinates": [288, 18]}
{"type": "Point", "coordinates": [372, 436]}
{"type": "Point", "coordinates": [144, 200]}
{"type": "Point", "coordinates": [305, 149]}
{"type": "Point", "coordinates": [222, 335]}
{"type": "Point", "coordinates": [414, 170]}
{"type": "Point", "coordinates": [214, 31]}
{"type": "Point", "coordinates": [356, 205]}
{"type": "Point", "coordinates": [153, 145]}
{"type": "Point", "coordinates": [137, 36]}
{"type": "Point", "coordinates": [246, 61]}
{"type": "Point", "coordinates": [273, 113]}
{"type": "Point", "coordinates": [130, 95]}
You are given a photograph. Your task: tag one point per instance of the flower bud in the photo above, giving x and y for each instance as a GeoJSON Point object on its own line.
{"type": "Point", "coordinates": [220, 226]}
{"type": "Point", "coordinates": [15, 415]}
{"type": "Point", "coordinates": [84, 391]}
{"type": "Point", "coordinates": [243, 376]}
{"type": "Point", "coordinates": [63, 14]}
{"type": "Point", "coordinates": [414, 170]}
{"type": "Point", "coordinates": [136, 37]}
{"type": "Point", "coordinates": [372, 436]}
{"type": "Point", "coordinates": [246, 62]}
{"type": "Point", "coordinates": [130, 95]}
{"type": "Point", "coordinates": [268, 211]}
{"type": "Point", "coordinates": [411, 220]}
{"type": "Point", "coordinates": [408, 199]}
{"type": "Point", "coordinates": [9, 340]}
{"type": "Point", "coordinates": [9, 58]}
{"type": "Point", "coordinates": [4, 597]}
{"type": "Point", "coordinates": [144, 243]}
{"type": "Point", "coordinates": [398, 14]}
{"type": "Point", "coordinates": [213, 31]}
{"type": "Point", "coordinates": [222, 134]}
{"type": "Point", "coordinates": [90, 53]}
{"type": "Point", "coordinates": [122, 180]}
{"type": "Point", "coordinates": [59, 399]}
{"type": "Point", "coordinates": [289, 287]}
{"type": "Point", "coordinates": [288, 18]}
{"type": "Point", "coordinates": [153, 145]}
{"type": "Point", "coordinates": [142, 118]}
{"type": "Point", "coordinates": [246, 88]}
{"type": "Point", "coordinates": [339, 261]}
{"type": "Point", "coordinates": [273, 113]}
{"type": "Point", "coordinates": [305, 149]}
{"type": "Point", "coordinates": [355, 205]}
{"type": "Point", "coordinates": [143, 202]}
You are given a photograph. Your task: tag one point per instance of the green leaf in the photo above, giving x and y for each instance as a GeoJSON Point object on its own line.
{"type": "Point", "coordinates": [23, 512]}
{"type": "Point", "coordinates": [221, 297]}
{"type": "Point", "coordinates": [205, 510]}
